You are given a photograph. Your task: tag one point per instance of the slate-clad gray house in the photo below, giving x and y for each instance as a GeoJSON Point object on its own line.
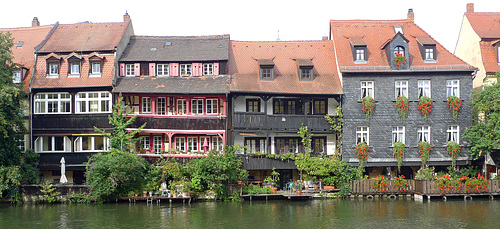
{"type": "Point", "coordinates": [366, 52]}
{"type": "Point", "coordinates": [179, 87]}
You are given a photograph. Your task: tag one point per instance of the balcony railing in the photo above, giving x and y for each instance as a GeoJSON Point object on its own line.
{"type": "Point", "coordinates": [262, 121]}
{"type": "Point", "coordinates": [180, 123]}
{"type": "Point", "coordinates": [73, 122]}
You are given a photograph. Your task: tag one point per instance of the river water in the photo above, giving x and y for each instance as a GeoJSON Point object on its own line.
{"type": "Point", "coordinates": [332, 213]}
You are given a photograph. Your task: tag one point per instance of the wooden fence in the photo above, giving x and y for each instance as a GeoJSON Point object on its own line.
{"type": "Point", "coordinates": [424, 187]}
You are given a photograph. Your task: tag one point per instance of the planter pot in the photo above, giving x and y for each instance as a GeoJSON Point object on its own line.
{"type": "Point", "coordinates": [239, 182]}
{"type": "Point", "coordinates": [299, 192]}
{"type": "Point", "coordinates": [175, 194]}
{"type": "Point", "coordinates": [316, 187]}
{"type": "Point", "coordinates": [144, 193]}
{"type": "Point", "coordinates": [150, 193]}
{"type": "Point", "coordinates": [187, 194]}
{"type": "Point", "coordinates": [274, 190]}
{"type": "Point", "coordinates": [169, 195]}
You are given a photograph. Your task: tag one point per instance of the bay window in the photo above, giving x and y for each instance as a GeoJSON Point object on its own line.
{"type": "Point", "coordinates": [53, 103]}
{"type": "Point", "coordinates": [52, 144]}
{"type": "Point", "coordinates": [93, 102]}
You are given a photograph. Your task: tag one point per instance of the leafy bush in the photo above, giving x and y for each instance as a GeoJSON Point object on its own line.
{"type": "Point", "coordinates": [425, 173]}
{"type": "Point", "coordinates": [254, 190]}
{"type": "Point", "coordinates": [49, 192]}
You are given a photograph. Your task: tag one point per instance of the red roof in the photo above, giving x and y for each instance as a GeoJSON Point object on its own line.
{"type": "Point", "coordinates": [486, 25]}
{"type": "Point", "coordinates": [244, 66]}
{"type": "Point", "coordinates": [31, 37]}
{"type": "Point", "coordinates": [84, 37]}
{"type": "Point", "coordinates": [489, 56]}
{"type": "Point", "coordinates": [376, 34]}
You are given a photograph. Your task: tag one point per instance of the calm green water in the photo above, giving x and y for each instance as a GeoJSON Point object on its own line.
{"type": "Point", "coordinates": [375, 214]}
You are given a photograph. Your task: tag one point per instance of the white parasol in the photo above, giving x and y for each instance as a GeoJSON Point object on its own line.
{"type": "Point", "coordinates": [63, 179]}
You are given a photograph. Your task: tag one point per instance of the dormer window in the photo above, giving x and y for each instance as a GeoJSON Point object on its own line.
{"type": "Point", "coordinates": [427, 48]}
{"type": "Point", "coordinates": [16, 77]}
{"type": "Point", "coordinates": [305, 67]}
{"type": "Point", "coordinates": [358, 47]}
{"type": "Point", "coordinates": [74, 65]}
{"type": "Point", "coordinates": [96, 64]}
{"type": "Point", "coordinates": [266, 69]}
{"type": "Point", "coordinates": [429, 54]}
{"type": "Point", "coordinates": [399, 51]}
{"type": "Point", "coordinates": [185, 69]}
{"type": "Point", "coordinates": [129, 70]}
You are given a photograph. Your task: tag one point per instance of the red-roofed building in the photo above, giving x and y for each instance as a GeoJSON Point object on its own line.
{"type": "Point", "coordinates": [71, 93]}
{"type": "Point", "coordinates": [479, 44]}
{"type": "Point", "coordinates": [387, 59]}
{"type": "Point", "coordinates": [276, 87]}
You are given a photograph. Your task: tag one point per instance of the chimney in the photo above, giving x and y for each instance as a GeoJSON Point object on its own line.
{"type": "Point", "coordinates": [411, 15]}
{"type": "Point", "coordinates": [35, 22]}
{"type": "Point", "coordinates": [470, 7]}
{"type": "Point", "coordinates": [126, 17]}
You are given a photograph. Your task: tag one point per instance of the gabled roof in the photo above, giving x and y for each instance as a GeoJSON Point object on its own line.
{"type": "Point", "coordinates": [85, 37]}
{"type": "Point", "coordinates": [244, 58]}
{"type": "Point", "coordinates": [486, 25]}
{"type": "Point", "coordinates": [173, 85]}
{"type": "Point", "coordinates": [376, 34]}
{"type": "Point", "coordinates": [188, 48]}
{"type": "Point", "coordinates": [31, 37]}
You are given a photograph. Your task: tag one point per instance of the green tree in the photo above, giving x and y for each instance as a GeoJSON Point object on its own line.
{"type": "Point", "coordinates": [484, 136]}
{"type": "Point", "coordinates": [121, 139]}
{"type": "Point", "coordinates": [11, 109]}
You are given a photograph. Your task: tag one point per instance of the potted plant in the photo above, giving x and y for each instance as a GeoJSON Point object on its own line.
{"type": "Point", "coordinates": [454, 150]}
{"type": "Point", "coordinates": [362, 153]}
{"type": "Point", "coordinates": [454, 104]}
{"type": "Point", "coordinates": [399, 60]}
{"type": "Point", "coordinates": [425, 106]}
{"type": "Point", "coordinates": [368, 106]}
{"type": "Point", "coordinates": [402, 106]}
{"type": "Point", "coordinates": [399, 153]}
{"type": "Point", "coordinates": [424, 148]}
{"type": "Point", "coordinates": [298, 187]}
{"type": "Point", "coordinates": [273, 180]}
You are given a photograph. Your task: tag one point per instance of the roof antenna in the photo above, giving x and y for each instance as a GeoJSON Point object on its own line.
{"type": "Point", "coordinates": [278, 39]}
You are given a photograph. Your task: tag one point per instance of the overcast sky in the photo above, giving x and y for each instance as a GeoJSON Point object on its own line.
{"type": "Point", "coordinates": [257, 20]}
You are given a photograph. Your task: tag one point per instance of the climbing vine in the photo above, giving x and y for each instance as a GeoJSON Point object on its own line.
{"type": "Point", "coordinates": [336, 126]}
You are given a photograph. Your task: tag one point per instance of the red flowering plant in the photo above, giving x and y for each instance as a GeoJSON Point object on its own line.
{"type": "Point", "coordinates": [448, 184]}
{"type": "Point", "coordinates": [399, 60]}
{"type": "Point", "coordinates": [454, 150]}
{"type": "Point", "coordinates": [476, 185]}
{"type": "Point", "coordinates": [368, 106]}
{"type": "Point", "coordinates": [399, 153]}
{"type": "Point", "coordinates": [401, 184]}
{"type": "Point", "coordinates": [402, 106]}
{"type": "Point", "coordinates": [425, 106]}
{"type": "Point", "coordinates": [454, 104]}
{"type": "Point", "coordinates": [424, 148]}
{"type": "Point", "coordinates": [362, 153]}
{"type": "Point", "coordinates": [380, 183]}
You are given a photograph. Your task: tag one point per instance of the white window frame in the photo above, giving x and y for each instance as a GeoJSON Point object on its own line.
{"type": "Point", "coordinates": [84, 102]}
{"type": "Point", "coordinates": [157, 143]}
{"type": "Point", "coordinates": [398, 134]}
{"type": "Point", "coordinates": [217, 143]}
{"type": "Point", "coordinates": [401, 88]}
{"type": "Point", "coordinates": [453, 133]}
{"type": "Point", "coordinates": [360, 54]}
{"type": "Point", "coordinates": [212, 106]}
{"type": "Point", "coordinates": [129, 69]}
{"type": "Point", "coordinates": [161, 106]}
{"type": "Point", "coordinates": [96, 68]}
{"type": "Point", "coordinates": [363, 133]}
{"type": "Point", "coordinates": [399, 50]}
{"type": "Point", "coordinates": [424, 133]}
{"type": "Point", "coordinates": [146, 142]}
{"type": "Point", "coordinates": [53, 70]}
{"type": "Point", "coordinates": [192, 144]}
{"type": "Point", "coordinates": [181, 106]}
{"type": "Point", "coordinates": [185, 70]}
{"type": "Point", "coordinates": [197, 106]}
{"type": "Point", "coordinates": [162, 70]}
{"type": "Point", "coordinates": [306, 73]}
{"type": "Point", "coordinates": [180, 144]}
{"type": "Point", "coordinates": [78, 144]}
{"type": "Point", "coordinates": [146, 104]}
{"type": "Point", "coordinates": [39, 144]}
{"type": "Point", "coordinates": [16, 76]}
{"type": "Point", "coordinates": [367, 89]}
{"type": "Point", "coordinates": [453, 88]}
{"type": "Point", "coordinates": [42, 102]}
{"type": "Point", "coordinates": [424, 88]}
{"type": "Point", "coordinates": [208, 69]}
{"type": "Point", "coordinates": [429, 54]}
{"type": "Point", "coordinates": [74, 68]}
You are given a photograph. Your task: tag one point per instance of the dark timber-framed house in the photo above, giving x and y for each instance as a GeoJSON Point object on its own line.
{"type": "Point", "coordinates": [179, 87]}
{"type": "Point", "coordinates": [71, 93]}
{"type": "Point", "coordinates": [276, 87]}
{"type": "Point", "coordinates": [365, 51]}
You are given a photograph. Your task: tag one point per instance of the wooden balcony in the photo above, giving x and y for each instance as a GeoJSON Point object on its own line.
{"type": "Point", "coordinates": [180, 123]}
{"type": "Point", "coordinates": [262, 121]}
{"type": "Point", "coordinates": [263, 163]}
{"type": "Point", "coordinates": [75, 123]}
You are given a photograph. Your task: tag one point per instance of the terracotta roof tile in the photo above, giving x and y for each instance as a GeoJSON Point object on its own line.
{"type": "Point", "coordinates": [489, 56]}
{"type": "Point", "coordinates": [31, 37]}
{"type": "Point", "coordinates": [173, 85]}
{"type": "Point", "coordinates": [85, 80]}
{"type": "Point", "coordinates": [376, 34]}
{"type": "Point", "coordinates": [486, 25]}
{"type": "Point", "coordinates": [85, 37]}
{"type": "Point", "coordinates": [244, 57]}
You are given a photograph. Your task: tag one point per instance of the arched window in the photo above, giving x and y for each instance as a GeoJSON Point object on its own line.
{"type": "Point", "coordinates": [399, 50]}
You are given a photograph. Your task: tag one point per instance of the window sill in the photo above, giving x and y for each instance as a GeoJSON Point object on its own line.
{"type": "Point", "coordinates": [360, 62]}
{"type": "Point", "coordinates": [52, 76]}
{"type": "Point", "coordinates": [430, 61]}
{"type": "Point", "coordinates": [74, 76]}
{"type": "Point", "coordinates": [95, 75]}
{"type": "Point", "coordinates": [360, 101]}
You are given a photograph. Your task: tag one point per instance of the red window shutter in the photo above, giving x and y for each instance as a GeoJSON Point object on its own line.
{"type": "Point", "coordinates": [174, 69]}
{"type": "Point", "coordinates": [216, 69]}
{"type": "Point", "coordinates": [197, 69]}
{"type": "Point", "coordinates": [137, 69]}
{"type": "Point", "coordinates": [122, 69]}
{"type": "Point", "coordinates": [152, 69]}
